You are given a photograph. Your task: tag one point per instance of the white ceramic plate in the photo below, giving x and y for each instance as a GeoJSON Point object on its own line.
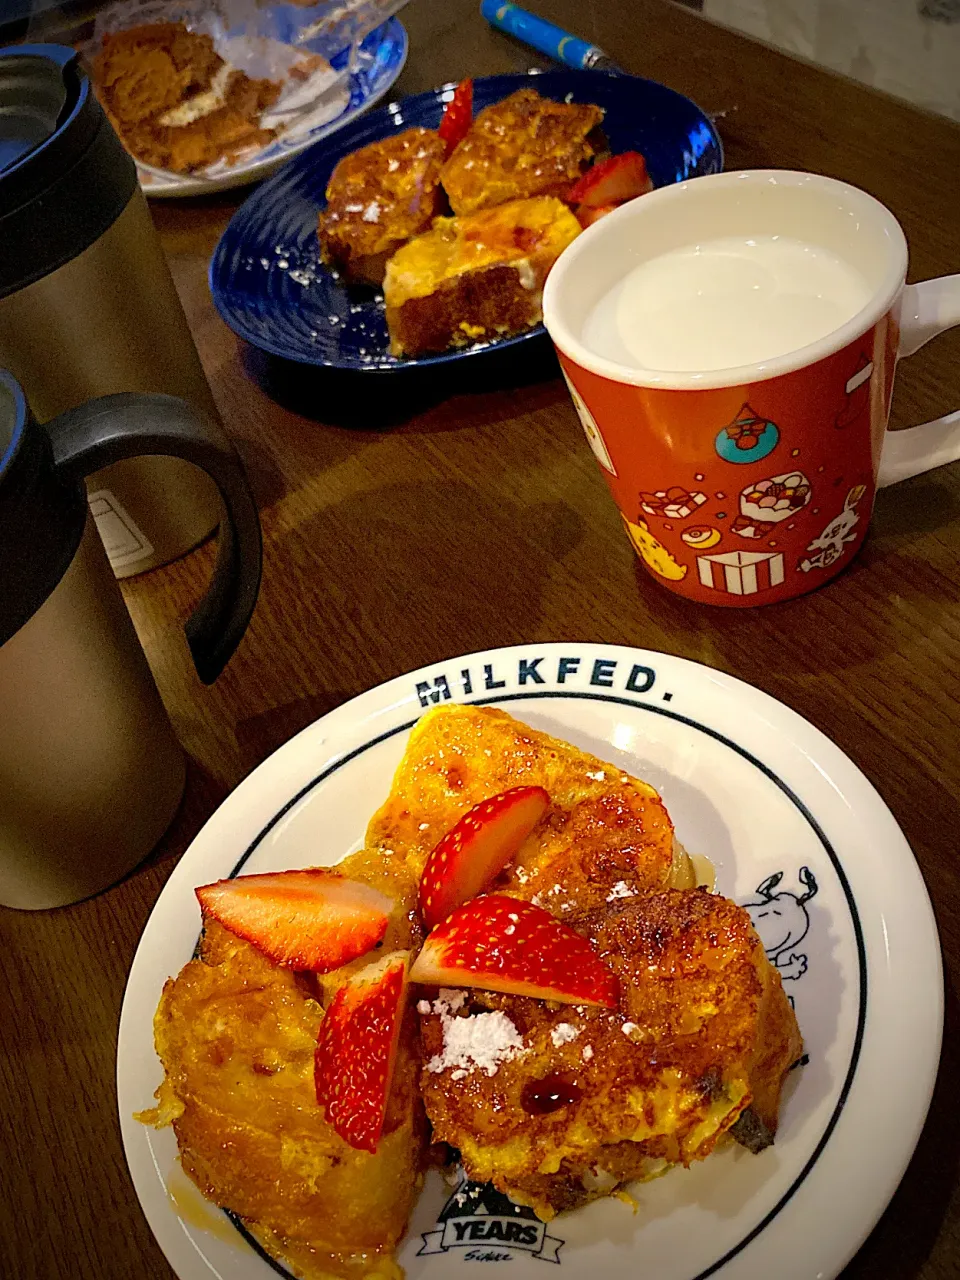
{"type": "Point", "coordinates": [747, 782]}
{"type": "Point", "coordinates": [330, 99]}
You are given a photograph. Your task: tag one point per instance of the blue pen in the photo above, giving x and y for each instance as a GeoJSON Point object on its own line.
{"type": "Point", "coordinates": [544, 36]}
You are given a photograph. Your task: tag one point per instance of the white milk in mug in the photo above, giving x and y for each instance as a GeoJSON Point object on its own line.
{"type": "Point", "coordinates": [723, 303]}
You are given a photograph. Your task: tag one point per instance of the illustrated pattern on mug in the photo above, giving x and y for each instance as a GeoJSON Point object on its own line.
{"type": "Point", "coordinates": [590, 429]}
{"type": "Point", "coordinates": [738, 495]}
{"type": "Point", "coordinates": [653, 553]}
{"type": "Point", "coordinates": [856, 399]}
{"type": "Point", "coordinates": [701, 536]}
{"type": "Point", "coordinates": [836, 536]}
{"type": "Point", "coordinates": [675, 503]}
{"type": "Point", "coordinates": [748, 438]}
{"type": "Point", "coordinates": [741, 573]}
{"type": "Point", "coordinates": [770, 501]}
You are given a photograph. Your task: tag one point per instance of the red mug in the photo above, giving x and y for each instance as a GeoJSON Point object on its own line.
{"type": "Point", "coordinates": [753, 483]}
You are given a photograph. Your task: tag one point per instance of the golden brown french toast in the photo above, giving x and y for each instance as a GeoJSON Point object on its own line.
{"type": "Point", "coordinates": [175, 103]}
{"type": "Point", "coordinates": [377, 199]}
{"type": "Point", "coordinates": [524, 146]}
{"type": "Point", "coordinates": [475, 278]}
{"type": "Point", "coordinates": [555, 1103]}
{"type": "Point", "coordinates": [604, 832]}
{"type": "Point", "coordinates": [236, 1034]}
{"type": "Point", "coordinates": [578, 1100]}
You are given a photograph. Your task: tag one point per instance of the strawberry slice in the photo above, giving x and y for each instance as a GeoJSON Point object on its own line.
{"type": "Point", "coordinates": [587, 214]}
{"type": "Point", "coordinates": [457, 115]}
{"type": "Point", "coordinates": [357, 1050]}
{"type": "Point", "coordinates": [612, 181]}
{"type": "Point", "coordinates": [480, 845]}
{"type": "Point", "coordinates": [498, 943]}
{"type": "Point", "coordinates": [312, 919]}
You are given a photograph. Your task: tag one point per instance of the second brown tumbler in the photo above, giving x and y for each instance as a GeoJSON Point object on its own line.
{"type": "Point", "coordinates": [87, 303]}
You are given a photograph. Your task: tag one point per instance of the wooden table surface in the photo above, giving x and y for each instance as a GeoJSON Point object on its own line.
{"type": "Point", "coordinates": [399, 534]}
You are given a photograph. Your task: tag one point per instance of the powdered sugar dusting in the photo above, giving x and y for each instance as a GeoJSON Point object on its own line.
{"type": "Point", "coordinates": [484, 1041]}
{"type": "Point", "coordinates": [620, 890]}
{"type": "Point", "coordinates": [563, 1033]}
{"type": "Point", "coordinates": [587, 1053]}
{"type": "Point", "coordinates": [449, 1000]}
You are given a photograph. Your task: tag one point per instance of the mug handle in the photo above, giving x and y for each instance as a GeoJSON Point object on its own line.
{"type": "Point", "coordinates": [926, 309]}
{"type": "Point", "coordinates": [114, 428]}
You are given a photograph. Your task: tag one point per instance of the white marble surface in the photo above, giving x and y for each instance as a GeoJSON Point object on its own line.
{"type": "Point", "coordinates": [909, 48]}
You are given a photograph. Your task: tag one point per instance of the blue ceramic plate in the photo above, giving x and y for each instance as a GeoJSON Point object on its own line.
{"type": "Point", "coordinates": [265, 275]}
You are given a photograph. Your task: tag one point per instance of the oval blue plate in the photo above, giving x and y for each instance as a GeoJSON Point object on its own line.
{"type": "Point", "coordinates": [266, 277]}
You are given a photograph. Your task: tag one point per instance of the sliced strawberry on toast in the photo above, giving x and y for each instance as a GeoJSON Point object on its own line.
{"type": "Point", "coordinates": [613, 181]}
{"type": "Point", "coordinates": [312, 919]}
{"type": "Point", "coordinates": [474, 851]}
{"type": "Point", "coordinates": [587, 214]}
{"type": "Point", "coordinates": [499, 943]}
{"type": "Point", "coordinates": [457, 116]}
{"type": "Point", "coordinates": [357, 1050]}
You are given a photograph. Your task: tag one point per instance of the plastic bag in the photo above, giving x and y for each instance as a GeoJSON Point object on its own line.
{"type": "Point", "coordinates": [247, 37]}
{"type": "Point", "coordinates": [329, 27]}
{"type": "Point", "coordinates": [262, 43]}
{"type": "Point", "coordinates": [271, 39]}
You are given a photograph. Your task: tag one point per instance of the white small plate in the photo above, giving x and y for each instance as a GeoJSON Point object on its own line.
{"type": "Point", "coordinates": [334, 98]}
{"type": "Point", "coordinates": [748, 783]}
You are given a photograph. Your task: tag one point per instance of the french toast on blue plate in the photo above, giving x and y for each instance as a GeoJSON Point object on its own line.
{"type": "Point", "coordinates": [476, 278]}
{"type": "Point", "coordinates": [524, 146]}
{"type": "Point", "coordinates": [378, 198]}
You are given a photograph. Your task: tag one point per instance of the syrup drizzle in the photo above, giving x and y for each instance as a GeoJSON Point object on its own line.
{"type": "Point", "coordinates": [554, 1091]}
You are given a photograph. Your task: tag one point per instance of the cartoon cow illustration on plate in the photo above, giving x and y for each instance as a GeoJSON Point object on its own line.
{"type": "Point", "coordinates": [782, 922]}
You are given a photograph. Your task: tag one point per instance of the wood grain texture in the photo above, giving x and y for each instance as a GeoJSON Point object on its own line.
{"type": "Point", "coordinates": [471, 514]}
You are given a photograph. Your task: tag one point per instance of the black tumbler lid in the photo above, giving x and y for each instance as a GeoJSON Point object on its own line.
{"type": "Point", "coordinates": [42, 513]}
{"type": "Point", "coordinates": [64, 175]}
{"type": "Point", "coordinates": [33, 96]}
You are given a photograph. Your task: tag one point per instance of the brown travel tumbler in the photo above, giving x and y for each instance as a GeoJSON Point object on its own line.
{"type": "Point", "coordinates": [90, 771]}
{"type": "Point", "coordinates": [87, 303]}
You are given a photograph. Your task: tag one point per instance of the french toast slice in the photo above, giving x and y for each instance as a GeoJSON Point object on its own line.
{"type": "Point", "coordinates": [176, 104]}
{"type": "Point", "coordinates": [475, 278]}
{"type": "Point", "coordinates": [604, 832]}
{"type": "Point", "coordinates": [524, 146]}
{"type": "Point", "coordinates": [589, 1099]}
{"type": "Point", "coordinates": [378, 198]}
{"type": "Point", "coordinates": [236, 1034]}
